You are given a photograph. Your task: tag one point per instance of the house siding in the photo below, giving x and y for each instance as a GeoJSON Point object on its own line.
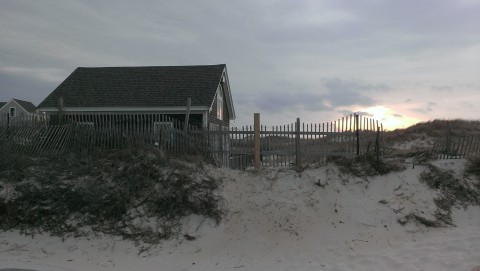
{"type": "Point", "coordinates": [194, 119]}
{"type": "Point", "coordinates": [212, 116]}
{"type": "Point", "coordinates": [19, 110]}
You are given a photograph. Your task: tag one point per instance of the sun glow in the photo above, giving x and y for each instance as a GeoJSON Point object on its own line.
{"type": "Point", "coordinates": [390, 119]}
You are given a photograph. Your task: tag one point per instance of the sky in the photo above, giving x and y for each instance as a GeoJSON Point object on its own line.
{"type": "Point", "coordinates": [400, 62]}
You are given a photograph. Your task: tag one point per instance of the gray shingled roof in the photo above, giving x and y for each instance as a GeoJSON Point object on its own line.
{"type": "Point", "coordinates": [28, 106]}
{"type": "Point", "coordinates": [2, 104]}
{"type": "Point", "coordinates": [153, 86]}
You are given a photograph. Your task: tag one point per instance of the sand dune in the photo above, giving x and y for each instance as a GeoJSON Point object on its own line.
{"type": "Point", "coordinates": [320, 219]}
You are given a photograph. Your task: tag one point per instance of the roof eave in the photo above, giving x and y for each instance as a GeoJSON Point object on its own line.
{"type": "Point", "coordinates": [231, 109]}
{"type": "Point", "coordinates": [17, 103]}
{"type": "Point", "coordinates": [228, 94]}
{"type": "Point", "coordinates": [6, 103]}
{"type": "Point", "coordinates": [124, 109]}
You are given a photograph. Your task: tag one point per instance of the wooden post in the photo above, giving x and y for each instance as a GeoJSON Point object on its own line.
{"type": "Point", "coordinates": [461, 146]}
{"type": "Point", "coordinates": [256, 140]}
{"type": "Point", "coordinates": [187, 114]}
{"type": "Point", "coordinates": [297, 145]}
{"type": "Point", "coordinates": [60, 110]}
{"type": "Point", "coordinates": [377, 145]}
{"type": "Point", "coordinates": [357, 133]}
{"type": "Point", "coordinates": [186, 146]}
{"type": "Point", "coordinates": [448, 141]}
{"type": "Point", "coordinates": [383, 139]}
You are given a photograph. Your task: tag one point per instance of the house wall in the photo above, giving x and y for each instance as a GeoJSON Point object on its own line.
{"type": "Point", "coordinates": [19, 110]}
{"type": "Point", "coordinates": [194, 119]}
{"type": "Point", "coordinates": [212, 116]}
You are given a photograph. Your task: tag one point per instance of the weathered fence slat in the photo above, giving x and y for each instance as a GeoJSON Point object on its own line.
{"type": "Point", "coordinates": [455, 147]}
{"type": "Point", "coordinates": [281, 145]}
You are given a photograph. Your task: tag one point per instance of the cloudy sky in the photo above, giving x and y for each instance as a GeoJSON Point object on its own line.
{"type": "Point", "coordinates": [399, 61]}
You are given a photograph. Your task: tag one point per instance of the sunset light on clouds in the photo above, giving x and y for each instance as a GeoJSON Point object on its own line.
{"type": "Point", "coordinates": [390, 119]}
{"type": "Point", "coordinates": [400, 61]}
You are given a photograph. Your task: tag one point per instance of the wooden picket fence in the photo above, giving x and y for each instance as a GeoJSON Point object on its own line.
{"type": "Point", "coordinates": [301, 144]}
{"type": "Point", "coordinates": [80, 131]}
{"type": "Point", "coordinates": [296, 144]}
{"type": "Point", "coordinates": [456, 147]}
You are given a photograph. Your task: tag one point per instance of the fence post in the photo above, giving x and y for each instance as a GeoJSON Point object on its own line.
{"type": "Point", "coordinates": [184, 136]}
{"type": "Point", "coordinates": [448, 140]}
{"type": "Point", "coordinates": [256, 140]}
{"type": "Point", "coordinates": [357, 133]}
{"type": "Point", "coordinates": [377, 144]}
{"type": "Point", "coordinates": [382, 144]}
{"type": "Point", "coordinates": [60, 110]}
{"type": "Point", "coordinates": [297, 145]}
{"type": "Point", "coordinates": [187, 114]}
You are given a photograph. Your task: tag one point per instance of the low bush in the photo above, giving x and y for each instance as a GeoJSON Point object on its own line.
{"type": "Point", "coordinates": [136, 193]}
{"type": "Point", "coordinates": [450, 186]}
{"type": "Point", "coordinates": [473, 166]}
{"type": "Point", "coordinates": [420, 219]}
{"type": "Point", "coordinates": [365, 166]}
{"type": "Point", "coordinates": [452, 191]}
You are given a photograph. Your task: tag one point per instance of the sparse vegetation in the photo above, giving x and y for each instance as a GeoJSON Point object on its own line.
{"type": "Point", "coordinates": [420, 219]}
{"type": "Point", "coordinates": [423, 136]}
{"type": "Point", "coordinates": [365, 166]}
{"type": "Point", "coordinates": [136, 193]}
{"type": "Point", "coordinates": [142, 195]}
{"type": "Point", "coordinates": [473, 166]}
{"type": "Point", "coordinates": [453, 191]}
{"type": "Point", "coordinates": [435, 128]}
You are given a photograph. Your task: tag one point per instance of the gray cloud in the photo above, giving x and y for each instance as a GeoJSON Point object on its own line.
{"type": "Point", "coordinates": [345, 112]}
{"type": "Point", "coordinates": [427, 108]}
{"type": "Point", "coordinates": [276, 102]}
{"type": "Point", "coordinates": [24, 88]}
{"type": "Point", "coordinates": [347, 93]}
{"type": "Point", "coordinates": [399, 43]}
{"type": "Point", "coordinates": [362, 113]}
{"type": "Point", "coordinates": [287, 96]}
{"type": "Point", "coordinates": [441, 88]}
{"type": "Point", "coordinates": [338, 84]}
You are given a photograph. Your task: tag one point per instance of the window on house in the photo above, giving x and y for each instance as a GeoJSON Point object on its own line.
{"type": "Point", "coordinates": [220, 102]}
{"type": "Point", "coordinates": [13, 111]}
